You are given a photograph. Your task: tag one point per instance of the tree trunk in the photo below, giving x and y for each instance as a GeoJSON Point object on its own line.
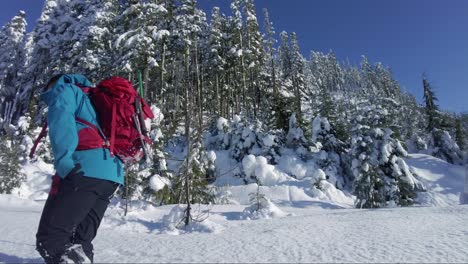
{"type": "Point", "coordinates": [199, 96]}
{"type": "Point", "coordinates": [244, 82]}
{"type": "Point", "coordinates": [163, 74]}
{"type": "Point", "coordinates": [187, 136]}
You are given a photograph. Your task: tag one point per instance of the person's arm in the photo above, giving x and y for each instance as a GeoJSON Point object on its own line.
{"type": "Point", "coordinates": [62, 127]}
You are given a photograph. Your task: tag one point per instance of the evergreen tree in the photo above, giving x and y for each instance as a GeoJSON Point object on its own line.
{"type": "Point", "coordinates": [297, 75]}
{"type": "Point", "coordinates": [440, 140]}
{"type": "Point", "coordinates": [11, 176]}
{"type": "Point", "coordinates": [285, 56]}
{"type": "Point", "coordinates": [431, 107]}
{"type": "Point", "coordinates": [255, 57]}
{"type": "Point", "coordinates": [138, 36]}
{"type": "Point", "coordinates": [460, 134]}
{"type": "Point", "coordinates": [216, 62]}
{"type": "Point", "coordinates": [11, 62]}
{"type": "Point", "coordinates": [382, 177]}
{"type": "Point", "coordinates": [330, 149]}
{"type": "Point", "coordinates": [295, 137]}
{"type": "Point", "coordinates": [93, 54]}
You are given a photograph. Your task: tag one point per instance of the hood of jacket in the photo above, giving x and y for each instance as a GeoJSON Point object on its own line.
{"type": "Point", "coordinates": [66, 79]}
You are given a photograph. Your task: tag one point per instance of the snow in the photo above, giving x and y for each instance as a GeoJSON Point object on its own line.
{"type": "Point", "coordinates": [265, 209]}
{"type": "Point", "coordinates": [266, 174]}
{"type": "Point", "coordinates": [159, 35]}
{"type": "Point", "coordinates": [296, 222]}
{"type": "Point", "coordinates": [221, 123]}
{"type": "Point", "coordinates": [443, 180]}
{"type": "Point", "coordinates": [305, 234]}
{"type": "Point", "coordinates": [269, 140]}
{"type": "Point", "coordinates": [158, 183]}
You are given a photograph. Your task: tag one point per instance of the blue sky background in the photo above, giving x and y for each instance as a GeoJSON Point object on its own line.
{"type": "Point", "coordinates": [411, 37]}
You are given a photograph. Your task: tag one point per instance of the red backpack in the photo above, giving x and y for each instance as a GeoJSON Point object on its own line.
{"type": "Point", "coordinates": [121, 113]}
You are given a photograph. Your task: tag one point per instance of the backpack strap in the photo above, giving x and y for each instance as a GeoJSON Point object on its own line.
{"type": "Point", "coordinates": [38, 139]}
{"type": "Point", "coordinates": [42, 134]}
{"type": "Point", "coordinates": [80, 120]}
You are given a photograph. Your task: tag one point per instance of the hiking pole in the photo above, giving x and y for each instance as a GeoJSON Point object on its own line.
{"type": "Point", "coordinates": [141, 127]}
{"type": "Point", "coordinates": [136, 120]}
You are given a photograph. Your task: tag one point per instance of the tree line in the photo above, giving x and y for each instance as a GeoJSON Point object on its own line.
{"type": "Point", "coordinates": [197, 70]}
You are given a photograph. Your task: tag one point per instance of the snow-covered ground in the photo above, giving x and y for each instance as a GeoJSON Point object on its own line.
{"type": "Point", "coordinates": [296, 228]}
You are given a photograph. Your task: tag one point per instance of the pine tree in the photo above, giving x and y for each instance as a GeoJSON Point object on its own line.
{"type": "Point", "coordinates": [93, 54]}
{"type": "Point", "coordinates": [270, 50]}
{"type": "Point", "coordinates": [431, 107]}
{"type": "Point", "coordinates": [285, 56]}
{"type": "Point", "coordinates": [238, 54]}
{"type": "Point", "coordinates": [295, 137]}
{"type": "Point", "coordinates": [138, 37]}
{"type": "Point", "coordinates": [11, 176]}
{"type": "Point", "coordinates": [297, 75]}
{"type": "Point", "coordinates": [440, 140]}
{"type": "Point", "coordinates": [11, 62]}
{"type": "Point", "coordinates": [382, 177]}
{"type": "Point", "coordinates": [330, 149]}
{"type": "Point", "coordinates": [460, 134]}
{"type": "Point", "coordinates": [216, 61]}
{"type": "Point", "coordinates": [278, 116]}
{"type": "Point", "coordinates": [255, 57]}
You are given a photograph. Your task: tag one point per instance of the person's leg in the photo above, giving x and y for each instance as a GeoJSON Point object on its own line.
{"type": "Point", "coordinates": [86, 231]}
{"type": "Point", "coordinates": [42, 231]}
{"type": "Point", "coordinates": [62, 213]}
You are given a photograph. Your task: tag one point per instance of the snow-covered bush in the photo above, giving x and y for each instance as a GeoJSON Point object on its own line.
{"type": "Point", "coordinates": [11, 176]}
{"type": "Point", "coordinates": [444, 146]}
{"type": "Point", "coordinates": [416, 144]}
{"type": "Point", "coordinates": [295, 136]}
{"type": "Point", "coordinates": [242, 139]}
{"type": "Point", "coordinates": [329, 150]}
{"type": "Point", "coordinates": [257, 169]}
{"type": "Point", "coordinates": [261, 207]}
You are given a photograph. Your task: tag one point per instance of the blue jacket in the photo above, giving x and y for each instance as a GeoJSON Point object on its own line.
{"type": "Point", "coordinates": [65, 102]}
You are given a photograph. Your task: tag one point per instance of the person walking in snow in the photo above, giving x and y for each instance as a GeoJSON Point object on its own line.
{"type": "Point", "coordinates": [85, 180]}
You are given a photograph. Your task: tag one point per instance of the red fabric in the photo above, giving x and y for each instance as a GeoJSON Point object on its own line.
{"type": "Point", "coordinates": [55, 185]}
{"type": "Point", "coordinates": [38, 139]}
{"type": "Point", "coordinates": [88, 138]}
{"type": "Point", "coordinates": [118, 124]}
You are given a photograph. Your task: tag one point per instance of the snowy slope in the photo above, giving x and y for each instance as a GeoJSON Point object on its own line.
{"type": "Point", "coordinates": [302, 228]}
{"type": "Point", "coordinates": [444, 181]}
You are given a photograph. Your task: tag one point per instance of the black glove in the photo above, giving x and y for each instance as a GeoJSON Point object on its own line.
{"type": "Point", "coordinates": [76, 171]}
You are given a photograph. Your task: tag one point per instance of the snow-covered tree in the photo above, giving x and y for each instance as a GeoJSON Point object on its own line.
{"type": "Point", "coordinates": [93, 53]}
{"type": "Point", "coordinates": [329, 151]}
{"type": "Point", "coordinates": [295, 137]}
{"type": "Point", "coordinates": [297, 75]}
{"type": "Point", "coordinates": [138, 37]}
{"type": "Point", "coordinates": [285, 56]}
{"type": "Point", "coordinates": [432, 110]}
{"type": "Point", "coordinates": [11, 176]}
{"type": "Point", "coordinates": [216, 57]}
{"type": "Point", "coordinates": [439, 139]}
{"type": "Point", "coordinates": [382, 177]}
{"type": "Point", "coordinates": [460, 134]}
{"type": "Point", "coordinates": [255, 57]}
{"type": "Point", "coordinates": [11, 65]}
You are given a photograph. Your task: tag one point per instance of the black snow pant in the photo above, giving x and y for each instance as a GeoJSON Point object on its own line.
{"type": "Point", "coordinates": [72, 214]}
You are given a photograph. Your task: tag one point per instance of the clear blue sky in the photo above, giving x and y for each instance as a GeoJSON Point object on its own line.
{"type": "Point", "coordinates": [412, 37]}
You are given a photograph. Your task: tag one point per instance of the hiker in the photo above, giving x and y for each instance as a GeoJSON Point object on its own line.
{"type": "Point", "coordinates": [85, 179]}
